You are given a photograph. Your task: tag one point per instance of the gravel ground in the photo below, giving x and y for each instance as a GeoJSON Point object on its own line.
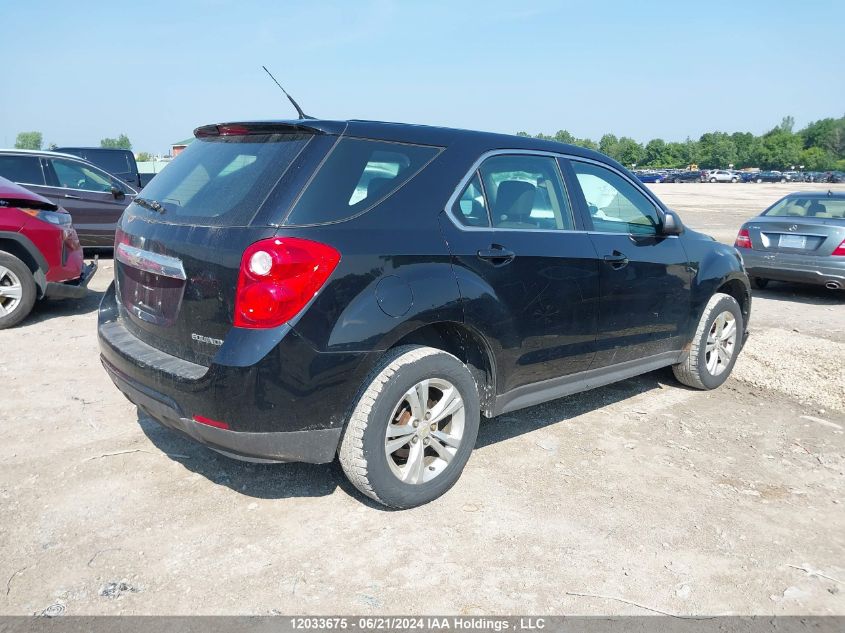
{"type": "Point", "coordinates": [725, 502]}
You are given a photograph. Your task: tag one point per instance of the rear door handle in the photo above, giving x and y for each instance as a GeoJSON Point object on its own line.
{"type": "Point", "coordinates": [496, 255]}
{"type": "Point", "coordinates": [616, 260]}
{"type": "Point", "coordinates": [67, 195]}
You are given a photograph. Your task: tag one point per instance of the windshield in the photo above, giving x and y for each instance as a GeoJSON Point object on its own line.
{"type": "Point", "coordinates": [223, 180]}
{"type": "Point", "coordinates": [797, 207]}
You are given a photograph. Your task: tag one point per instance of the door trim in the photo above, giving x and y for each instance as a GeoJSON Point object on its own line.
{"type": "Point", "coordinates": [537, 393]}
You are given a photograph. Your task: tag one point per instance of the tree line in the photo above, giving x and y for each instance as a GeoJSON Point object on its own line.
{"type": "Point", "coordinates": [818, 147]}
{"type": "Point", "coordinates": [35, 140]}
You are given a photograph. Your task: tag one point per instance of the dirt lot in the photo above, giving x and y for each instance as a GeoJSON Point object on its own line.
{"type": "Point", "coordinates": [728, 502]}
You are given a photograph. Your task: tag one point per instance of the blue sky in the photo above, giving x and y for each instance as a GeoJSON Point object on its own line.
{"type": "Point", "coordinates": [80, 71]}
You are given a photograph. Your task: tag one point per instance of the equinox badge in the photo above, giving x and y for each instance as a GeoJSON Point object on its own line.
{"type": "Point", "coordinates": [206, 339]}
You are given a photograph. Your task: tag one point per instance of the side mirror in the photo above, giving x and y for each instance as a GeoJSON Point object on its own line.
{"type": "Point", "coordinates": [672, 224]}
{"type": "Point", "coordinates": [117, 193]}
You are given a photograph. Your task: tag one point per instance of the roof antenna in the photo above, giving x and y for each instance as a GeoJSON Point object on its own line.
{"type": "Point", "coordinates": [302, 115]}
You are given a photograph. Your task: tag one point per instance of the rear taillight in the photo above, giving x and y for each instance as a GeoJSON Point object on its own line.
{"type": "Point", "coordinates": [743, 239]}
{"type": "Point", "coordinates": [278, 277]}
{"type": "Point", "coordinates": [839, 250]}
{"type": "Point", "coordinates": [120, 238]}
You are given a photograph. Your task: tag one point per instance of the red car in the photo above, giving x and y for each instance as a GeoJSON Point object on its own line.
{"type": "Point", "coordinates": [40, 254]}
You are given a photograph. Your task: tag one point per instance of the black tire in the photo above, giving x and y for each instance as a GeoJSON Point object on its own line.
{"type": "Point", "coordinates": [733, 179]}
{"type": "Point", "coordinates": [783, 179]}
{"type": "Point", "coordinates": [362, 451]}
{"type": "Point", "coordinates": [28, 290]}
{"type": "Point", "coordinates": [759, 180]}
{"type": "Point", "coordinates": [693, 370]}
{"type": "Point", "coordinates": [712, 180]}
{"type": "Point", "coordinates": [759, 283]}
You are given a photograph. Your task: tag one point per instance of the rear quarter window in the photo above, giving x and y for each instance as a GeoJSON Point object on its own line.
{"type": "Point", "coordinates": [357, 175]}
{"type": "Point", "coordinates": [22, 169]}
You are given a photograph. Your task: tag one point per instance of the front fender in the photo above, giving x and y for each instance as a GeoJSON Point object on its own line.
{"type": "Point", "coordinates": [718, 265]}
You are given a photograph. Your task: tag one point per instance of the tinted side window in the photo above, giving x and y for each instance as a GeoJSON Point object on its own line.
{"type": "Point", "coordinates": [112, 162]}
{"type": "Point", "coordinates": [471, 208]}
{"type": "Point", "coordinates": [357, 175]}
{"type": "Point", "coordinates": [22, 169]}
{"type": "Point", "coordinates": [526, 192]}
{"type": "Point", "coordinates": [73, 175]}
{"type": "Point", "coordinates": [615, 205]}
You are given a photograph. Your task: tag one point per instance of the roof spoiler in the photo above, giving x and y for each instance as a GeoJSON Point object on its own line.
{"type": "Point", "coordinates": [311, 126]}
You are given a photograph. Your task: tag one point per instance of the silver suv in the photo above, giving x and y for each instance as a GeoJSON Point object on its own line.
{"type": "Point", "coordinates": [722, 175]}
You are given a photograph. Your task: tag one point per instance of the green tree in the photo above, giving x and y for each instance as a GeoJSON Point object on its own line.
{"type": "Point", "coordinates": [717, 149]}
{"type": "Point", "coordinates": [29, 140]}
{"type": "Point", "coordinates": [144, 157]}
{"type": "Point", "coordinates": [562, 136]}
{"type": "Point", "coordinates": [588, 143]}
{"type": "Point", "coordinates": [658, 153]}
{"type": "Point", "coordinates": [787, 124]}
{"type": "Point", "coordinates": [630, 152]}
{"type": "Point", "coordinates": [815, 159]}
{"type": "Point", "coordinates": [121, 142]}
{"type": "Point", "coordinates": [608, 145]}
{"type": "Point", "coordinates": [781, 149]}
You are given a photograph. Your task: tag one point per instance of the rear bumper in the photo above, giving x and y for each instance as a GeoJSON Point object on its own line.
{"type": "Point", "coordinates": [794, 268]}
{"type": "Point", "coordinates": [281, 399]}
{"type": "Point", "coordinates": [316, 446]}
{"type": "Point", "coordinates": [75, 289]}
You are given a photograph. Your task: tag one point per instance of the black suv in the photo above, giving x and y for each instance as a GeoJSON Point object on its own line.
{"type": "Point", "coordinates": [296, 290]}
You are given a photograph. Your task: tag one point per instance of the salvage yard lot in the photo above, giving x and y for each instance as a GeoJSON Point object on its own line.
{"type": "Point", "coordinates": [643, 491]}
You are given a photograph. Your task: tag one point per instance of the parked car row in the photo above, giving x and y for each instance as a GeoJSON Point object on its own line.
{"type": "Point", "coordinates": [731, 175]}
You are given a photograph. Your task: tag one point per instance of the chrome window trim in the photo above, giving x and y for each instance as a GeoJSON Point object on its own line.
{"type": "Point", "coordinates": [477, 165]}
{"type": "Point", "coordinates": [150, 262]}
{"type": "Point", "coordinates": [555, 155]}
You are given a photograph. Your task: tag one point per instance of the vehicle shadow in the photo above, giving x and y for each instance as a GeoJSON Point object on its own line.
{"type": "Point", "coordinates": [510, 425]}
{"type": "Point", "coordinates": [282, 481]}
{"type": "Point", "coordinates": [800, 293]}
{"type": "Point", "coordinates": [55, 308]}
{"type": "Point", "coordinates": [261, 481]}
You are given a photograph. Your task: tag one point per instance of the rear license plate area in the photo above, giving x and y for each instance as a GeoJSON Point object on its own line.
{"type": "Point", "coordinates": [792, 241]}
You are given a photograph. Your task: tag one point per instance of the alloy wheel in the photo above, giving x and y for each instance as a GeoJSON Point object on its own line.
{"type": "Point", "coordinates": [721, 343]}
{"type": "Point", "coordinates": [425, 431]}
{"type": "Point", "coordinates": [11, 291]}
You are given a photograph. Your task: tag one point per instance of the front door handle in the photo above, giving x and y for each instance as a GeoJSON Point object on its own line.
{"type": "Point", "coordinates": [67, 195]}
{"type": "Point", "coordinates": [616, 260]}
{"type": "Point", "coordinates": [496, 255]}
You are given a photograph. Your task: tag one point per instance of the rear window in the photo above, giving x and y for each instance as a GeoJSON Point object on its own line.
{"type": "Point", "coordinates": [223, 180]}
{"type": "Point", "coordinates": [823, 208]}
{"type": "Point", "coordinates": [357, 175]}
{"type": "Point", "coordinates": [22, 169]}
{"type": "Point", "coordinates": [112, 162]}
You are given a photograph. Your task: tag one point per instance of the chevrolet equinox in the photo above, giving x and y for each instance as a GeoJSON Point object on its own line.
{"type": "Point", "coordinates": [296, 290]}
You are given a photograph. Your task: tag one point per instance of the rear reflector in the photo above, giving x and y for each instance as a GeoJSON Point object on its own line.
{"type": "Point", "coordinates": [278, 277]}
{"type": "Point", "coordinates": [209, 422]}
{"type": "Point", "coordinates": [839, 250]}
{"type": "Point", "coordinates": [743, 239]}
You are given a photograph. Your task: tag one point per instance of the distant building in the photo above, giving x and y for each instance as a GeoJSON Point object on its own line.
{"type": "Point", "coordinates": [177, 148]}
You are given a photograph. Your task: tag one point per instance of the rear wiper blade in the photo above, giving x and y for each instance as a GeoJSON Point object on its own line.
{"type": "Point", "coordinates": [150, 204]}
